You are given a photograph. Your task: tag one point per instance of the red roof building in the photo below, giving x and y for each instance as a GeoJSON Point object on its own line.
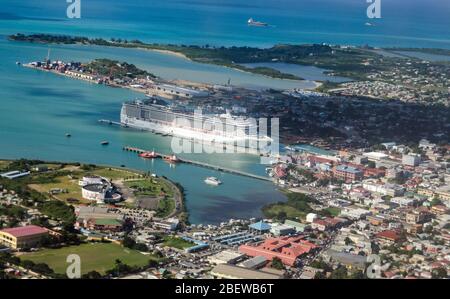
{"type": "Point", "coordinates": [287, 249]}
{"type": "Point", "coordinates": [22, 237]}
{"type": "Point", "coordinates": [389, 235]}
{"type": "Point", "coordinates": [24, 231]}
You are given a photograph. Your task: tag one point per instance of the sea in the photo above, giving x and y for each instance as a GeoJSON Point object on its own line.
{"type": "Point", "coordinates": [37, 108]}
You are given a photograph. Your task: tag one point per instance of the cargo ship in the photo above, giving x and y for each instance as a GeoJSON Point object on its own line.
{"type": "Point", "coordinates": [159, 116]}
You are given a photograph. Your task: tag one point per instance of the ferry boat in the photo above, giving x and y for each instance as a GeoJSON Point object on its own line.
{"type": "Point", "coordinates": [172, 159]}
{"type": "Point", "coordinates": [213, 181]}
{"type": "Point", "coordinates": [252, 22]}
{"type": "Point", "coordinates": [149, 155]}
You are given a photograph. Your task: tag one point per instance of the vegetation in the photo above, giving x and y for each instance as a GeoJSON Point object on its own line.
{"type": "Point", "coordinates": [59, 210]}
{"type": "Point", "coordinates": [346, 62]}
{"type": "Point", "coordinates": [98, 257]}
{"type": "Point", "coordinates": [116, 69]}
{"type": "Point", "coordinates": [297, 206]}
{"type": "Point", "coordinates": [176, 242]}
{"type": "Point", "coordinates": [277, 263]}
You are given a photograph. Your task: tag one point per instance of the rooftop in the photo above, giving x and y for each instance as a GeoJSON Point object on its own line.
{"type": "Point", "coordinates": [261, 226]}
{"type": "Point", "coordinates": [24, 231]}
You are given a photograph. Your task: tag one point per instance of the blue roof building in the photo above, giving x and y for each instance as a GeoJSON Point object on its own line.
{"type": "Point", "coordinates": [260, 226]}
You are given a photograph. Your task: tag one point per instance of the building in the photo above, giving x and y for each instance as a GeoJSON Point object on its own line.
{"type": "Point", "coordinates": [234, 272]}
{"type": "Point", "coordinates": [351, 261]}
{"type": "Point", "coordinates": [282, 230]}
{"type": "Point", "coordinates": [299, 227]}
{"type": "Point", "coordinates": [12, 175]}
{"type": "Point", "coordinates": [260, 227]}
{"type": "Point", "coordinates": [98, 219]}
{"type": "Point", "coordinates": [287, 249]}
{"type": "Point", "coordinates": [388, 237]}
{"type": "Point", "coordinates": [94, 192]}
{"type": "Point", "coordinates": [411, 160]}
{"type": "Point", "coordinates": [99, 189]}
{"type": "Point", "coordinates": [444, 194]}
{"type": "Point", "coordinates": [226, 257]}
{"type": "Point", "coordinates": [254, 263]}
{"type": "Point", "coordinates": [169, 224]}
{"type": "Point", "coordinates": [311, 217]}
{"type": "Point", "coordinates": [22, 237]}
{"type": "Point", "coordinates": [173, 91]}
{"type": "Point", "coordinates": [347, 173]}
{"type": "Point", "coordinates": [91, 180]}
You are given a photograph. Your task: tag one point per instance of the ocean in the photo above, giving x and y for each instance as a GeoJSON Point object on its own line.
{"type": "Point", "coordinates": [403, 23]}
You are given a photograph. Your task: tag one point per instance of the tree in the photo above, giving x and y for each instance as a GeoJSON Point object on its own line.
{"type": "Point", "coordinates": [277, 263]}
{"type": "Point", "coordinates": [128, 242]}
{"type": "Point", "coordinates": [439, 273]}
{"type": "Point", "coordinates": [357, 275]}
{"type": "Point", "coordinates": [339, 273]}
{"type": "Point", "coordinates": [348, 241]}
{"type": "Point", "coordinates": [92, 275]}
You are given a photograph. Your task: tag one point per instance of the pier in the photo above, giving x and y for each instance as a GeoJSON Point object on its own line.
{"type": "Point", "coordinates": [201, 164]}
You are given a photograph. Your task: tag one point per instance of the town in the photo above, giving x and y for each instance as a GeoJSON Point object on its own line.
{"type": "Point", "coordinates": [342, 208]}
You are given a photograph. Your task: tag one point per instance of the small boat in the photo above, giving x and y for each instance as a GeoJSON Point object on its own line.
{"type": "Point", "coordinates": [68, 135]}
{"type": "Point", "coordinates": [172, 159]}
{"type": "Point", "coordinates": [18, 63]}
{"type": "Point", "coordinates": [104, 142]}
{"type": "Point", "coordinates": [148, 155]}
{"type": "Point", "coordinates": [369, 24]}
{"type": "Point", "coordinates": [252, 22]}
{"type": "Point", "coordinates": [213, 181]}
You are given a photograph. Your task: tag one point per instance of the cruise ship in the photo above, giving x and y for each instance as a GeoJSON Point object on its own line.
{"type": "Point", "coordinates": [159, 116]}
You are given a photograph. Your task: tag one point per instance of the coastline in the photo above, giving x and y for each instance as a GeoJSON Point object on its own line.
{"type": "Point", "coordinates": [149, 47]}
{"type": "Point", "coordinates": [180, 206]}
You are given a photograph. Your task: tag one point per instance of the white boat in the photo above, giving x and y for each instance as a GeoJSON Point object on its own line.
{"type": "Point", "coordinates": [213, 181]}
{"type": "Point", "coordinates": [252, 22]}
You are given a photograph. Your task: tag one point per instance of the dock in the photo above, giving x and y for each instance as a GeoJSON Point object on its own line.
{"type": "Point", "coordinates": [201, 164]}
{"type": "Point", "coordinates": [109, 122]}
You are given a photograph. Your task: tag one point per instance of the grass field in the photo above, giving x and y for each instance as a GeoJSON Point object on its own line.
{"type": "Point", "coordinates": [333, 211]}
{"type": "Point", "coordinates": [71, 184]}
{"type": "Point", "coordinates": [4, 164]}
{"type": "Point", "coordinates": [177, 242]}
{"type": "Point", "coordinates": [149, 187]}
{"type": "Point", "coordinates": [94, 256]}
{"type": "Point", "coordinates": [291, 212]}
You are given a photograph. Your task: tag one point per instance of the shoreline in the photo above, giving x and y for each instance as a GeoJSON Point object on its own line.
{"type": "Point", "coordinates": [184, 56]}
{"type": "Point", "coordinates": [180, 205]}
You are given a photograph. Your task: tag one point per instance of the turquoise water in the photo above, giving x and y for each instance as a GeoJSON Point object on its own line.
{"type": "Point", "coordinates": [302, 71]}
{"type": "Point", "coordinates": [38, 108]}
{"type": "Point", "coordinates": [163, 65]}
{"type": "Point", "coordinates": [415, 23]}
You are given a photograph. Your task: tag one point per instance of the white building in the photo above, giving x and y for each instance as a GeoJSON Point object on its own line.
{"type": "Point", "coordinates": [311, 217]}
{"type": "Point", "coordinates": [411, 160]}
{"type": "Point", "coordinates": [94, 192]}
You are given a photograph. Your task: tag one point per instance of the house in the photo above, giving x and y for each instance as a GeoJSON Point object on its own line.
{"type": "Point", "coordinates": [389, 237]}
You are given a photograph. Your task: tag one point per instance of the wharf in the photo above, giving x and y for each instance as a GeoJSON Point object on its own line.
{"type": "Point", "coordinates": [201, 164]}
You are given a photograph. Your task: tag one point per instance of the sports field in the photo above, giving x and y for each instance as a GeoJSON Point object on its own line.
{"type": "Point", "coordinates": [94, 256]}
